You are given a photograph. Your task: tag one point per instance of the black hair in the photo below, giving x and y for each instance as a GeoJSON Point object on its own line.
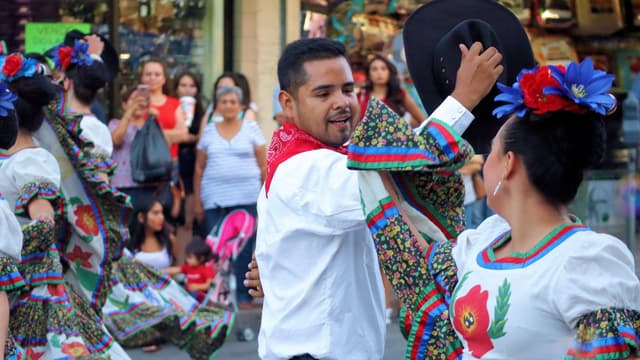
{"type": "Point", "coordinates": [291, 73]}
{"type": "Point", "coordinates": [199, 249]}
{"type": "Point", "coordinates": [34, 93]}
{"type": "Point", "coordinates": [243, 83]}
{"type": "Point", "coordinates": [137, 229]}
{"type": "Point", "coordinates": [556, 148]}
{"type": "Point", "coordinates": [226, 74]}
{"type": "Point", "coordinates": [199, 108]}
{"type": "Point", "coordinates": [8, 130]}
{"type": "Point", "coordinates": [395, 95]}
{"type": "Point", "coordinates": [87, 80]}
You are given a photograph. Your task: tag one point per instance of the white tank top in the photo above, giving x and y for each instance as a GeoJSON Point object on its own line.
{"type": "Point", "coordinates": [158, 259]}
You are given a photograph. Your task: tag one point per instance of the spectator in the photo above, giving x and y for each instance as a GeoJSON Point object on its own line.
{"type": "Point", "coordinates": [136, 106]}
{"type": "Point", "coordinates": [199, 273]}
{"type": "Point", "coordinates": [474, 193]}
{"type": "Point", "coordinates": [383, 83]}
{"type": "Point", "coordinates": [151, 242]}
{"type": "Point", "coordinates": [227, 79]}
{"type": "Point", "coordinates": [249, 107]}
{"type": "Point", "coordinates": [154, 73]}
{"type": "Point", "coordinates": [188, 84]}
{"type": "Point", "coordinates": [230, 168]}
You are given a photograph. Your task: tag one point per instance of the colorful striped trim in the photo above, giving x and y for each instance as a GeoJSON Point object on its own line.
{"type": "Point", "coordinates": [10, 278]}
{"type": "Point", "coordinates": [431, 307]}
{"type": "Point", "coordinates": [486, 257]}
{"type": "Point", "coordinates": [446, 137]}
{"type": "Point", "coordinates": [378, 217]}
{"type": "Point", "coordinates": [389, 157]}
{"type": "Point", "coordinates": [442, 288]}
{"type": "Point", "coordinates": [46, 191]}
{"type": "Point", "coordinates": [410, 195]}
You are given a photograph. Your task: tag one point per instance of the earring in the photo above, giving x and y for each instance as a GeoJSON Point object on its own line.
{"type": "Point", "coordinates": [495, 191]}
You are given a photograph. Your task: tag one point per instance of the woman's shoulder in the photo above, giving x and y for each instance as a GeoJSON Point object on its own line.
{"type": "Point", "coordinates": [172, 102]}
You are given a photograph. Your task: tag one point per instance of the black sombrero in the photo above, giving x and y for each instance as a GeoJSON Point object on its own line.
{"type": "Point", "coordinates": [431, 37]}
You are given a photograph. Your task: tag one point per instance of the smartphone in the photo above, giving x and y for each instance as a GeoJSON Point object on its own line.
{"type": "Point", "coordinates": [143, 89]}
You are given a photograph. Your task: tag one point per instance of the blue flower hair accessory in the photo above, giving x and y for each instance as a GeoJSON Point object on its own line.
{"type": "Point", "coordinates": [578, 88]}
{"type": "Point", "coordinates": [15, 66]}
{"type": "Point", "coordinates": [64, 56]}
{"type": "Point", "coordinates": [6, 100]}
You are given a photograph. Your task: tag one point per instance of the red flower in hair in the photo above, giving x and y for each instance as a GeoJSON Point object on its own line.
{"type": "Point", "coordinates": [533, 84]}
{"type": "Point", "coordinates": [64, 54]}
{"type": "Point", "coordinates": [11, 65]}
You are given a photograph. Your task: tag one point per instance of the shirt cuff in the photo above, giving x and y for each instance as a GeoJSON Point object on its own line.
{"type": "Point", "coordinates": [452, 113]}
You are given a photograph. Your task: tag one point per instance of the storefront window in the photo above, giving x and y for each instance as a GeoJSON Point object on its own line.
{"type": "Point", "coordinates": [172, 30]}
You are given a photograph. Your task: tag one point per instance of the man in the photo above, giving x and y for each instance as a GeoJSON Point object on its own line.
{"type": "Point", "coordinates": [318, 265]}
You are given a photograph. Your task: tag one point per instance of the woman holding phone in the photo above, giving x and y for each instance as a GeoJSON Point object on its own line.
{"type": "Point", "coordinates": [136, 105]}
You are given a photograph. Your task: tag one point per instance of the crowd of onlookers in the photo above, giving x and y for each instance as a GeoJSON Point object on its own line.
{"type": "Point", "coordinates": [219, 154]}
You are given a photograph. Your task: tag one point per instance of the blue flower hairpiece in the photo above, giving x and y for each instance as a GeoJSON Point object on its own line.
{"type": "Point", "coordinates": [6, 99]}
{"type": "Point", "coordinates": [15, 66]}
{"type": "Point", "coordinates": [64, 56]}
{"type": "Point", "coordinates": [578, 88]}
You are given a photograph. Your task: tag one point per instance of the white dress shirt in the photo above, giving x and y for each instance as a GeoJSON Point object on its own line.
{"type": "Point", "coordinates": [318, 264]}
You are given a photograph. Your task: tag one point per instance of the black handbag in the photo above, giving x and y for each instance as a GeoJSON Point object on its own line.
{"type": "Point", "coordinates": [150, 157]}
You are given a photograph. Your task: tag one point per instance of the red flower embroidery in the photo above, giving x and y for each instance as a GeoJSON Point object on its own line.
{"type": "Point", "coordinates": [12, 65]}
{"type": "Point", "coordinates": [472, 321]}
{"type": "Point", "coordinates": [57, 290]}
{"type": "Point", "coordinates": [64, 54]}
{"type": "Point", "coordinates": [75, 349]}
{"type": "Point", "coordinates": [79, 256]}
{"type": "Point", "coordinates": [33, 355]}
{"type": "Point", "coordinates": [532, 85]}
{"type": "Point", "coordinates": [85, 220]}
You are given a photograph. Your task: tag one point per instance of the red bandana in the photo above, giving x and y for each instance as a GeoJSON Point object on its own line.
{"type": "Point", "coordinates": [288, 141]}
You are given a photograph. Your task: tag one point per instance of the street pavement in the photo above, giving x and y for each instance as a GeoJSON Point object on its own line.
{"type": "Point", "coordinates": [248, 350]}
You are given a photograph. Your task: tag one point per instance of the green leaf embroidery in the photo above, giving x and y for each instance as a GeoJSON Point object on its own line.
{"type": "Point", "coordinates": [87, 279]}
{"type": "Point", "coordinates": [75, 201]}
{"type": "Point", "coordinates": [55, 341]}
{"type": "Point", "coordinates": [496, 330]}
{"type": "Point", "coordinates": [455, 293]}
{"type": "Point", "coordinates": [122, 305]}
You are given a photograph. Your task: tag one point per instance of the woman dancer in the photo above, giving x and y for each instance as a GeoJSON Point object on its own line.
{"type": "Point", "coordinates": [48, 318]}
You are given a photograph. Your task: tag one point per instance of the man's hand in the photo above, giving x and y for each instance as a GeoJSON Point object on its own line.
{"type": "Point", "coordinates": [477, 74]}
{"type": "Point", "coordinates": [96, 45]}
{"type": "Point", "coordinates": [252, 279]}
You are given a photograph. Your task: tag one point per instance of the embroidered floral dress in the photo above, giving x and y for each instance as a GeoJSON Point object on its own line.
{"type": "Point", "coordinates": [95, 214]}
{"type": "Point", "coordinates": [144, 305]}
{"type": "Point", "coordinates": [575, 295]}
{"type": "Point", "coordinates": [10, 279]}
{"type": "Point", "coordinates": [48, 318]}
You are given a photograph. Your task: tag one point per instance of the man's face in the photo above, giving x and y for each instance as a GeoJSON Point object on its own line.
{"type": "Point", "coordinates": [326, 104]}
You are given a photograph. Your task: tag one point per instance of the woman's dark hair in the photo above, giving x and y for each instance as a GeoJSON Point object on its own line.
{"type": "Point", "coordinates": [87, 80]}
{"type": "Point", "coordinates": [199, 249]}
{"type": "Point", "coordinates": [34, 93]}
{"type": "Point", "coordinates": [556, 149]}
{"type": "Point", "coordinates": [137, 229]}
{"type": "Point", "coordinates": [226, 74]}
{"type": "Point", "coordinates": [8, 129]}
{"type": "Point", "coordinates": [395, 95]}
{"type": "Point", "coordinates": [167, 87]}
{"type": "Point", "coordinates": [199, 108]}
{"type": "Point", "coordinates": [243, 83]}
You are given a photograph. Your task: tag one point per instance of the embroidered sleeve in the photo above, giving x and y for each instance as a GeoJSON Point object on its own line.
{"type": "Point", "coordinates": [610, 333]}
{"type": "Point", "coordinates": [31, 191]}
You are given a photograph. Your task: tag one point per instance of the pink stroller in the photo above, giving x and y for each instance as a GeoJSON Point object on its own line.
{"type": "Point", "coordinates": [226, 241]}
